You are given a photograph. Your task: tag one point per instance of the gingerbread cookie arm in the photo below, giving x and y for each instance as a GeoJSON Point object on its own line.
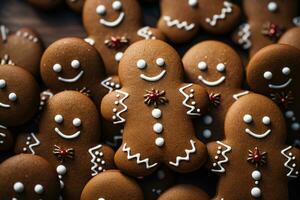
{"type": "Point", "coordinates": [113, 106]}
{"type": "Point", "coordinates": [111, 83]}
{"type": "Point", "coordinates": [6, 139]}
{"type": "Point", "coordinates": [291, 161]}
{"type": "Point", "coordinates": [149, 33]}
{"type": "Point", "coordinates": [195, 99]}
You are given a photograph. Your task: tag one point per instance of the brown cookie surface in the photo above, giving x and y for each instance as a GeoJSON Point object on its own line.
{"type": "Point", "coordinates": [291, 37]}
{"type": "Point", "coordinates": [184, 192]}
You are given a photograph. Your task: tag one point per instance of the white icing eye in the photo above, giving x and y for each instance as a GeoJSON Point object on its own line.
{"type": "Point", "coordinates": [2, 83]}
{"type": "Point", "coordinates": [75, 64]}
{"type": "Point", "coordinates": [19, 187]}
{"type": "Point", "coordinates": [286, 70]}
{"type": "Point", "coordinates": [202, 66]}
{"type": "Point", "coordinates": [58, 119]}
{"type": "Point", "coordinates": [141, 64]}
{"type": "Point", "coordinates": [39, 189]}
{"type": "Point", "coordinates": [101, 10]}
{"type": "Point", "coordinates": [160, 62]}
{"type": "Point", "coordinates": [268, 75]}
{"type": "Point", "coordinates": [193, 3]}
{"type": "Point", "coordinates": [77, 122]}
{"type": "Point", "coordinates": [266, 120]}
{"type": "Point", "coordinates": [221, 67]}
{"type": "Point", "coordinates": [57, 68]}
{"type": "Point", "coordinates": [247, 118]}
{"type": "Point", "coordinates": [272, 6]}
{"type": "Point", "coordinates": [12, 96]}
{"type": "Point", "coordinates": [117, 5]}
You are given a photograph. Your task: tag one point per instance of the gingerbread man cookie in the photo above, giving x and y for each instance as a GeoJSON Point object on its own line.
{"type": "Point", "coordinates": [255, 135]}
{"type": "Point", "coordinates": [75, 5]}
{"type": "Point", "coordinates": [184, 192]}
{"type": "Point", "coordinates": [181, 20]}
{"type": "Point", "coordinates": [273, 72]}
{"type": "Point", "coordinates": [219, 69]}
{"type": "Point", "coordinates": [68, 138]}
{"type": "Point", "coordinates": [267, 21]}
{"type": "Point", "coordinates": [112, 185]}
{"type": "Point", "coordinates": [291, 37]}
{"type": "Point", "coordinates": [151, 74]}
{"type": "Point", "coordinates": [22, 48]}
{"type": "Point", "coordinates": [28, 177]}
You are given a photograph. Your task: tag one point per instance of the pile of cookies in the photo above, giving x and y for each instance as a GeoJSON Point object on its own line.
{"type": "Point", "coordinates": [120, 115]}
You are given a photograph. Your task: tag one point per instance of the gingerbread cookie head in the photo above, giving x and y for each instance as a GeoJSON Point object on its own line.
{"type": "Point", "coordinates": [184, 192]}
{"type": "Point", "coordinates": [291, 37]}
{"type": "Point", "coordinates": [181, 20]}
{"type": "Point", "coordinates": [213, 65]}
{"type": "Point", "coordinates": [274, 69]}
{"type": "Point", "coordinates": [71, 64]}
{"type": "Point", "coordinates": [34, 178]}
{"type": "Point", "coordinates": [19, 96]}
{"type": "Point", "coordinates": [113, 185]}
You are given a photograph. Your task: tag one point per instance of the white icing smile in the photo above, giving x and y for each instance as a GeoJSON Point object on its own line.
{"type": "Point", "coordinates": [114, 23]}
{"type": "Point", "coordinates": [71, 80]}
{"type": "Point", "coordinates": [258, 136]}
{"type": "Point", "coordinates": [153, 78]}
{"type": "Point", "coordinates": [3, 105]}
{"type": "Point", "coordinates": [212, 83]}
{"type": "Point", "coordinates": [61, 134]}
{"type": "Point", "coordinates": [273, 86]}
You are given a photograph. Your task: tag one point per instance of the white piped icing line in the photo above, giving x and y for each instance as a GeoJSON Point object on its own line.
{"type": "Point", "coordinates": [97, 160]}
{"type": "Point", "coordinates": [258, 136]}
{"type": "Point", "coordinates": [146, 33]}
{"type": "Point", "coordinates": [179, 25]}
{"type": "Point", "coordinates": [68, 137]}
{"type": "Point", "coordinates": [71, 80]}
{"type": "Point", "coordinates": [290, 157]}
{"type": "Point", "coordinates": [30, 145]}
{"type": "Point", "coordinates": [245, 33]}
{"type": "Point", "coordinates": [114, 23]}
{"type": "Point", "coordinates": [191, 107]}
{"type": "Point", "coordinates": [137, 156]}
{"type": "Point", "coordinates": [117, 119]}
{"type": "Point", "coordinates": [90, 41]}
{"type": "Point", "coordinates": [188, 152]}
{"type": "Point", "coordinates": [153, 78]}
{"type": "Point", "coordinates": [219, 162]}
{"type": "Point", "coordinates": [212, 83]}
{"type": "Point", "coordinates": [227, 9]}
{"type": "Point", "coordinates": [284, 85]}
{"type": "Point", "coordinates": [4, 32]}
{"type": "Point", "coordinates": [108, 84]}
{"type": "Point", "coordinates": [239, 95]}
{"type": "Point", "coordinates": [2, 135]}
{"type": "Point", "coordinates": [296, 21]}
{"type": "Point", "coordinates": [27, 36]}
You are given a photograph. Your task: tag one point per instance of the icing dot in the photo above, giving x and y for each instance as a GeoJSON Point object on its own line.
{"type": "Point", "coordinates": [191, 95]}
{"type": "Point", "coordinates": [24, 149]}
{"type": "Point", "coordinates": [118, 56]}
{"type": "Point", "coordinates": [289, 114]}
{"type": "Point", "coordinates": [286, 70]}
{"type": "Point", "coordinates": [256, 175]}
{"type": "Point", "coordinates": [219, 148]}
{"type": "Point", "coordinates": [295, 126]}
{"type": "Point", "coordinates": [272, 6]}
{"type": "Point", "coordinates": [2, 83]}
{"type": "Point", "coordinates": [247, 118]}
{"type": "Point", "coordinates": [268, 75]}
{"type": "Point", "coordinates": [101, 10]}
{"type": "Point", "coordinates": [156, 113]}
{"type": "Point", "coordinates": [117, 5]}
{"type": "Point", "coordinates": [207, 133]}
{"type": "Point", "coordinates": [100, 168]}
{"type": "Point", "coordinates": [57, 68]}
{"type": "Point", "coordinates": [198, 110]}
{"type": "Point", "coordinates": [114, 110]}
{"type": "Point", "coordinates": [192, 90]}
{"type": "Point", "coordinates": [101, 198]}
{"type": "Point", "coordinates": [103, 162]}
{"type": "Point", "coordinates": [290, 154]}
{"type": "Point", "coordinates": [161, 174]}
{"type": "Point", "coordinates": [256, 192]}
{"type": "Point", "coordinates": [159, 141]}
{"type": "Point", "coordinates": [266, 120]}
{"type": "Point", "coordinates": [193, 103]}
{"type": "Point", "coordinates": [62, 185]}
{"type": "Point", "coordinates": [75, 64]}
{"type": "Point", "coordinates": [112, 84]}
{"type": "Point", "coordinates": [114, 117]}
{"type": "Point", "coordinates": [219, 152]}
{"type": "Point", "coordinates": [160, 62]}
{"type": "Point", "coordinates": [158, 128]}
{"type": "Point", "coordinates": [221, 67]}
{"type": "Point", "coordinates": [116, 102]}
{"type": "Point", "coordinates": [214, 164]}
{"type": "Point", "coordinates": [118, 86]}
{"type": "Point", "coordinates": [58, 119]}
{"type": "Point", "coordinates": [12, 96]}
{"type": "Point", "coordinates": [98, 160]}
{"type": "Point", "coordinates": [61, 169]}
{"type": "Point", "coordinates": [193, 3]}
{"type": "Point", "coordinates": [208, 120]}
{"type": "Point", "coordinates": [256, 182]}
{"type": "Point", "coordinates": [18, 187]}
{"type": "Point", "coordinates": [294, 165]}
{"type": "Point", "coordinates": [202, 66]}
{"type": "Point", "coordinates": [216, 157]}
{"type": "Point", "coordinates": [77, 122]}
{"type": "Point", "coordinates": [39, 189]}
{"type": "Point", "coordinates": [141, 64]}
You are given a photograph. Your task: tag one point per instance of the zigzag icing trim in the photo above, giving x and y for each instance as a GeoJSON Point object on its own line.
{"type": "Point", "coordinates": [245, 34]}
{"type": "Point", "coordinates": [225, 10]}
{"type": "Point", "coordinates": [187, 157]}
{"type": "Point", "coordinates": [137, 157]}
{"type": "Point", "coordinates": [180, 25]}
{"type": "Point", "coordinates": [97, 160]}
{"type": "Point", "coordinates": [146, 33]}
{"type": "Point", "coordinates": [27, 36]}
{"type": "Point", "coordinates": [2, 135]}
{"type": "Point", "coordinates": [31, 145]}
{"type": "Point", "coordinates": [239, 95]}
{"type": "Point", "coordinates": [187, 98]}
{"type": "Point", "coordinates": [220, 162]}
{"type": "Point", "coordinates": [110, 85]}
{"type": "Point", "coordinates": [4, 31]}
{"type": "Point", "coordinates": [292, 173]}
{"type": "Point", "coordinates": [117, 117]}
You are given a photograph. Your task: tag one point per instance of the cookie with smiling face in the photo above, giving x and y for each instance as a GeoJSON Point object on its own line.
{"type": "Point", "coordinates": [184, 192]}
{"type": "Point", "coordinates": [291, 37]}
{"type": "Point", "coordinates": [255, 135]}
{"type": "Point", "coordinates": [35, 178]}
{"type": "Point", "coordinates": [151, 74]}
{"type": "Point", "coordinates": [219, 69]}
{"type": "Point", "coordinates": [267, 21]}
{"type": "Point", "coordinates": [273, 72]}
{"type": "Point", "coordinates": [68, 138]}
{"type": "Point", "coordinates": [180, 21]}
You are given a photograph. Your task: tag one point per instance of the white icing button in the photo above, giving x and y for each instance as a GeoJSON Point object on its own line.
{"type": "Point", "coordinates": [208, 120]}
{"type": "Point", "coordinates": [118, 56]}
{"type": "Point", "coordinates": [268, 75]}
{"type": "Point", "coordinates": [156, 113]}
{"type": "Point", "coordinates": [266, 120]}
{"type": "Point", "coordinates": [256, 192]}
{"type": "Point", "coordinates": [295, 126]}
{"type": "Point", "coordinates": [202, 66]}
{"type": "Point", "coordinates": [77, 122]}
{"type": "Point", "coordinates": [141, 64]}
{"type": "Point", "coordinates": [18, 187]}
{"type": "Point", "coordinates": [247, 118]}
{"type": "Point", "coordinates": [256, 175]}
{"type": "Point", "coordinates": [39, 189]}
{"type": "Point", "coordinates": [2, 83]}
{"type": "Point", "coordinates": [221, 67]}
{"type": "Point", "coordinates": [158, 128]}
{"type": "Point", "coordinates": [272, 6]}
{"type": "Point", "coordinates": [12, 96]}
{"type": "Point", "coordinates": [160, 62]}
{"type": "Point", "coordinates": [289, 114]}
{"type": "Point", "coordinates": [58, 119]}
{"type": "Point", "coordinates": [286, 70]}
{"type": "Point", "coordinates": [61, 170]}
{"type": "Point", "coordinates": [57, 68]}
{"type": "Point", "coordinates": [193, 3]}
{"type": "Point", "coordinates": [159, 142]}
{"type": "Point", "coordinates": [117, 5]}
{"type": "Point", "coordinates": [207, 133]}
{"type": "Point", "coordinates": [75, 64]}
{"type": "Point", "coordinates": [101, 198]}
